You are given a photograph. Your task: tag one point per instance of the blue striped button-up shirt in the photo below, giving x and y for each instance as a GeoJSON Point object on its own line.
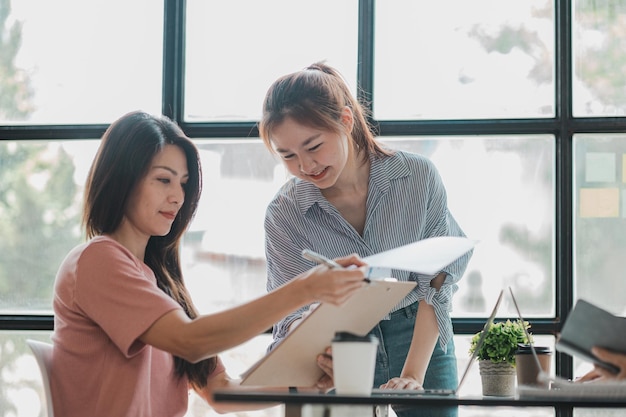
{"type": "Point", "coordinates": [406, 202]}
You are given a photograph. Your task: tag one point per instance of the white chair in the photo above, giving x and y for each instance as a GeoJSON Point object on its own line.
{"type": "Point", "coordinates": [43, 354]}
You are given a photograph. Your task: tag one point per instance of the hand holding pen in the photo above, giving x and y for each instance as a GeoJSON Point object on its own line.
{"type": "Point", "coordinates": [337, 283]}
{"type": "Point", "coordinates": [321, 259]}
{"type": "Point", "coordinates": [334, 284]}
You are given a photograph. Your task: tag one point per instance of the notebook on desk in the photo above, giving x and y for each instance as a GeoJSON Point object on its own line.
{"type": "Point", "coordinates": [472, 359]}
{"type": "Point", "coordinates": [557, 387]}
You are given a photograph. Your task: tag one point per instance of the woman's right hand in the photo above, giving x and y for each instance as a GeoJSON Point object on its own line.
{"type": "Point", "coordinates": [336, 285]}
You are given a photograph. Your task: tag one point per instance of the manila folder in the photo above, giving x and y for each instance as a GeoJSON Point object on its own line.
{"type": "Point", "coordinates": [293, 362]}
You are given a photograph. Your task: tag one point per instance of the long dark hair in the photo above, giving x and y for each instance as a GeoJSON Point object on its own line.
{"type": "Point", "coordinates": [123, 159]}
{"type": "Point", "coordinates": [316, 97]}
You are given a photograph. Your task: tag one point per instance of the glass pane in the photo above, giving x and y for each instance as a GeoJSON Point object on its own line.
{"type": "Point", "coordinates": [22, 393]}
{"type": "Point", "coordinates": [599, 213]}
{"type": "Point", "coordinates": [224, 252]}
{"type": "Point", "coordinates": [472, 387]}
{"type": "Point", "coordinates": [71, 61]}
{"type": "Point", "coordinates": [236, 49]}
{"type": "Point", "coordinates": [40, 209]}
{"type": "Point", "coordinates": [598, 412]}
{"type": "Point", "coordinates": [236, 361]}
{"type": "Point", "coordinates": [599, 54]}
{"type": "Point", "coordinates": [501, 191]}
{"type": "Point", "coordinates": [464, 59]}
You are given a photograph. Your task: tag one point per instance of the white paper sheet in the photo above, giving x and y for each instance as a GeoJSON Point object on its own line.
{"type": "Point", "coordinates": [427, 256]}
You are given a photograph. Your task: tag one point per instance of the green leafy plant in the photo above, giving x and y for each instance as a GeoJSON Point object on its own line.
{"type": "Point", "coordinates": [501, 341]}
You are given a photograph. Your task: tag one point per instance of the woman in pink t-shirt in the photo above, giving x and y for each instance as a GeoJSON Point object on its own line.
{"type": "Point", "coordinates": [128, 340]}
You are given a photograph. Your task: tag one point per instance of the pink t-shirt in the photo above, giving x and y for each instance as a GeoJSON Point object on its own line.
{"type": "Point", "coordinates": [104, 299]}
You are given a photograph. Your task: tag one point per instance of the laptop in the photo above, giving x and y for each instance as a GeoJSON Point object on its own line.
{"type": "Point", "coordinates": [472, 359]}
{"type": "Point", "coordinates": [557, 387]}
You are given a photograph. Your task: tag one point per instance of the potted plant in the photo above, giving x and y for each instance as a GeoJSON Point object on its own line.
{"type": "Point", "coordinates": [496, 357]}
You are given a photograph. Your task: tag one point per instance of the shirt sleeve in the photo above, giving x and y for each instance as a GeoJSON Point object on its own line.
{"type": "Point", "coordinates": [119, 294]}
{"type": "Point", "coordinates": [440, 222]}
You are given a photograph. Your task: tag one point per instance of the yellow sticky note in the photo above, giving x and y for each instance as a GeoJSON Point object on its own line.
{"type": "Point", "coordinates": [599, 202]}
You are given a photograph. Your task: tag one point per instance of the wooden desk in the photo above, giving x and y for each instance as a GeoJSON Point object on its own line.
{"type": "Point", "coordinates": [294, 401]}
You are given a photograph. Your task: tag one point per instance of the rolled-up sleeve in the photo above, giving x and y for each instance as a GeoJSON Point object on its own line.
{"type": "Point", "coordinates": [441, 300]}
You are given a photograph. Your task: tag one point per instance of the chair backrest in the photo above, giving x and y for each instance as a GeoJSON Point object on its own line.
{"type": "Point", "coordinates": [43, 354]}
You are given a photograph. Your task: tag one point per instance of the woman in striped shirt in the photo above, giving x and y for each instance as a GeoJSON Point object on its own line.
{"type": "Point", "coordinates": [349, 194]}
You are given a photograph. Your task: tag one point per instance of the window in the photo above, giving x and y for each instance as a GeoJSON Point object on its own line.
{"type": "Point", "coordinates": [490, 60]}
{"type": "Point", "coordinates": [597, 48]}
{"type": "Point", "coordinates": [520, 105]}
{"type": "Point", "coordinates": [226, 81]}
{"type": "Point", "coordinates": [73, 62]}
{"type": "Point", "coordinates": [600, 207]}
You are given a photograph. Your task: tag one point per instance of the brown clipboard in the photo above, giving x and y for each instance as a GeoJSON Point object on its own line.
{"type": "Point", "coordinates": [293, 362]}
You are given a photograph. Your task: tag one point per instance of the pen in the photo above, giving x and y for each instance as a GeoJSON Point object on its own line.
{"type": "Point", "coordinates": [321, 259]}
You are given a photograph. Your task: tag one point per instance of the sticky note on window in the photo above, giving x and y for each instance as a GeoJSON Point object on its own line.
{"type": "Point", "coordinates": [599, 202]}
{"type": "Point", "coordinates": [600, 167]}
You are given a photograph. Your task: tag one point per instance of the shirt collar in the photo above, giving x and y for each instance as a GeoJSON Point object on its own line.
{"type": "Point", "coordinates": [383, 170]}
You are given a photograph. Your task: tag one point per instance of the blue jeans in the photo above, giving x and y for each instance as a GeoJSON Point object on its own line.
{"type": "Point", "coordinates": [395, 337]}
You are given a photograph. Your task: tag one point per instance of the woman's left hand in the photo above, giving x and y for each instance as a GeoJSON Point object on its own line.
{"type": "Point", "coordinates": [325, 362]}
{"type": "Point", "coordinates": [402, 383]}
{"type": "Point", "coordinates": [614, 358]}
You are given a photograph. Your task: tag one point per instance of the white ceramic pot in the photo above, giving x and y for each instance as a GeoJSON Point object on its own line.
{"type": "Point", "coordinates": [498, 378]}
